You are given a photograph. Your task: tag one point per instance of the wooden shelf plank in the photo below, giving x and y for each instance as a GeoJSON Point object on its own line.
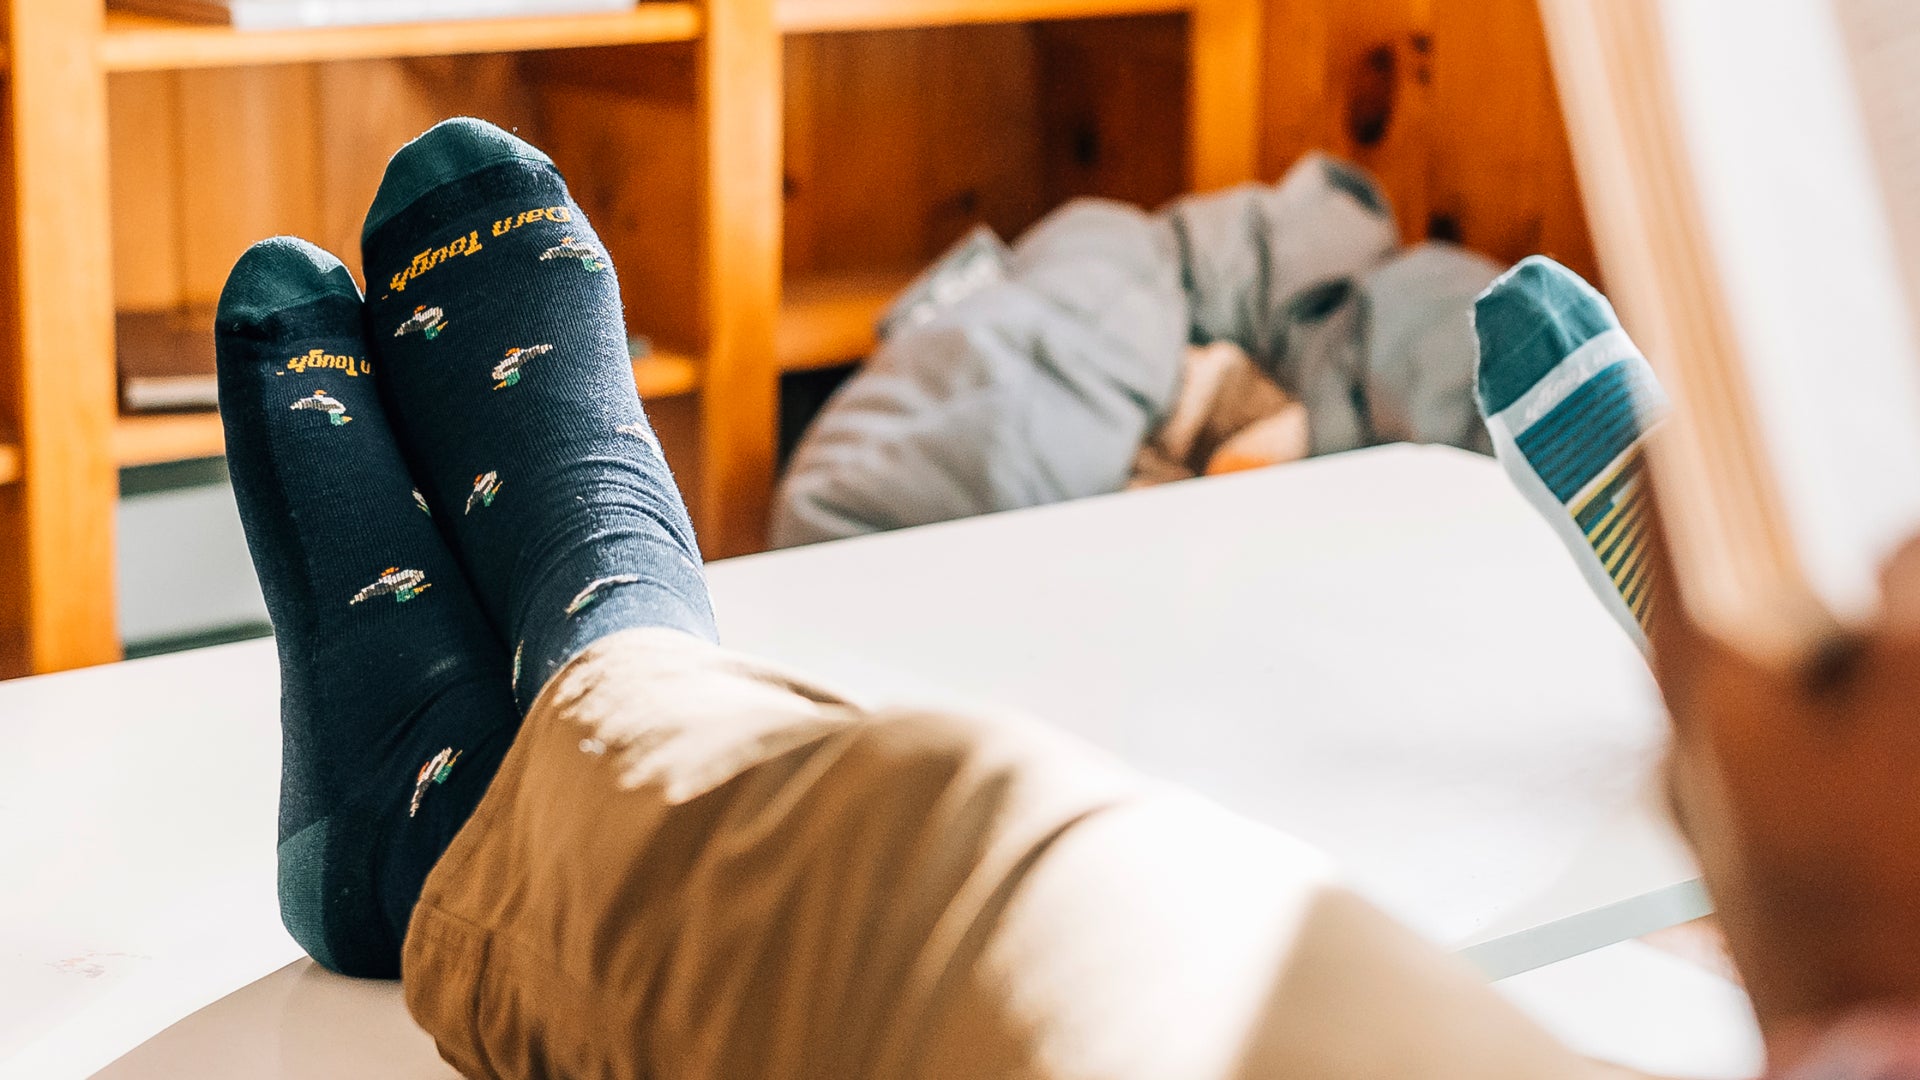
{"type": "Point", "coordinates": [826, 16]}
{"type": "Point", "coordinates": [153, 438]}
{"type": "Point", "coordinates": [9, 463]}
{"type": "Point", "coordinates": [663, 375]}
{"type": "Point", "coordinates": [148, 43]}
{"type": "Point", "coordinates": [827, 319]}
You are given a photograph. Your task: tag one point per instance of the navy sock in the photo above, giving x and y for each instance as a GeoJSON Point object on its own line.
{"type": "Point", "coordinates": [395, 710]}
{"type": "Point", "coordinates": [496, 316]}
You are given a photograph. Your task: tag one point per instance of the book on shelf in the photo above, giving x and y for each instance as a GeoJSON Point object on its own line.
{"type": "Point", "coordinates": [312, 14]}
{"type": "Point", "coordinates": [1752, 179]}
{"type": "Point", "coordinates": [166, 360]}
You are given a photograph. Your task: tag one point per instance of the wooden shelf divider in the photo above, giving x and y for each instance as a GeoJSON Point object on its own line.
{"type": "Point", "coordinates": [147, 43]}
{"type": "Point", "coordinates": [59, 347]}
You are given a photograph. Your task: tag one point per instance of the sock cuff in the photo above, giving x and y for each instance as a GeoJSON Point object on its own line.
{"type": "Point", "coordinates": [449, 151]}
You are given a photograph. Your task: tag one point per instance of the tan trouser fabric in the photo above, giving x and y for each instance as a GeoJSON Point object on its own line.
{"type": "Point", "coordinates": [691, 865]}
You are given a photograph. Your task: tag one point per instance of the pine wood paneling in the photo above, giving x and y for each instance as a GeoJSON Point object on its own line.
{"type": "Point", "coordinates": [16, 642]}
{"type": "Point", "coordinates": [206, 162]}
{"type": "Point", "coordinates": [1450, 102]}
{"type": "Point", "coordinates": [1503, 169]}
{"type": "Point", "coordinates": [1113, 102]}
{"type": "Point", "coordinates": [160, 437]}
{"type": "Point", "coordinates": [145, 157]}
{"type": "Point", "coordinates": [363, 111]}
{"type": "Point", "coordinates": [249, 154]}
{"type": "Point", "coordinates": [900, 142]}
{"type": "Point", "coordinates": [625, 129]}
{"type": "Point", "coordinates": [1353, 80]}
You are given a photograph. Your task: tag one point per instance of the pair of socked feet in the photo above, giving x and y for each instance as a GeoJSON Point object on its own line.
{"type": "Point", "coordinates": [450, 489]}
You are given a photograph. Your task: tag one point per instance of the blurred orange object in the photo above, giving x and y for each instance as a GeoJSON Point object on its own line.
{"type": "Point", "coordinates": [1229, 417]}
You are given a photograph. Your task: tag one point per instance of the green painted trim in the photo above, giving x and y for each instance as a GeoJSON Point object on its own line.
{"type": "Point", "coordinates": [173, 476]}
{"type": "Point", "coordinates": [199, 639]}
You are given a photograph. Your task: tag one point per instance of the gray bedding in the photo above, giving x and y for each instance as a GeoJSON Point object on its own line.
{"type": "Point", "coordinates": [1019, 377]}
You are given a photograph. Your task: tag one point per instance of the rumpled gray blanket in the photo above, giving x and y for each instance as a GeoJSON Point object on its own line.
{"type": "Point", "coordinates": [1018, 377]}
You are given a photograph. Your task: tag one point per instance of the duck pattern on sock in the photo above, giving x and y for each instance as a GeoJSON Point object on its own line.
{"type": "Point", "coordinates": [387, 663]}
{"type": "Point", "coordinates": [497, 319]}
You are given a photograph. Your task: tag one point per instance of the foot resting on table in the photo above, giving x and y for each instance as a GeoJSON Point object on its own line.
{"type": "Point", "coordinates": [1568, 400]}
{"type": "Point", "coordinates": [495, 313]}
{"type": "Point", "coordinates": [394, 702]}
{"type": "Point", "coordinates": [489, 384]}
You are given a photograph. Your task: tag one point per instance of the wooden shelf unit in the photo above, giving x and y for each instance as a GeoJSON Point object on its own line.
{"type": "Point", "coordinates": [58, 477]}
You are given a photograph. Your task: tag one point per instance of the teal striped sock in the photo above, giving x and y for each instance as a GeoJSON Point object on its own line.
{"type": "Point", "coordinates": [1568, 400]}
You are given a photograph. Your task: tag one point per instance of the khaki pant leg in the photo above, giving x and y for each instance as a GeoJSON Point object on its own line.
{"type": "Point", "coordinates": [693, 866]}
{"type": "Point", "coordinates": [1169, 938]}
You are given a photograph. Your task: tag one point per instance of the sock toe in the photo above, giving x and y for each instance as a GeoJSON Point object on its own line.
{"type": "Point", "coordinates": [1529, 320]}
{"type": "Point", "coordinates": [449, 151]}
{"type": "Point", "coordinates": [1568, 399]}
{"type": "Point", "coordinates": [278, 274]}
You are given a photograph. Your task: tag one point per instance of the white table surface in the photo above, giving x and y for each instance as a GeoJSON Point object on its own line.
{"type": "Point", "coordinates": [1384, 653]}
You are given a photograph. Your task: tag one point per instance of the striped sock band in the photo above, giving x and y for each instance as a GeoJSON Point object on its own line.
{"type": "Point", "coordinates": [1568, 400]}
